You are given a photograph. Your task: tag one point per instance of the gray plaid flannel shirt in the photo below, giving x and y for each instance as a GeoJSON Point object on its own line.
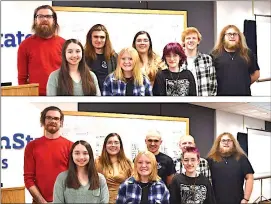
{"type": "Point", "coordinates": [206, 75]}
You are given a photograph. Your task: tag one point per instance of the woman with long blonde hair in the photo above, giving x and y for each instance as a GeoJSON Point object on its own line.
{"type": "Point", "coordinates": [150, 62]}
{"type": "Point", "coordinates": [235, 64]}
{"type": "Point", "coordinates": [127, 79]}
{"type": "Point", "coordinates": [145, 186]}
{"type": "Point", "coordinates": [113, 164]}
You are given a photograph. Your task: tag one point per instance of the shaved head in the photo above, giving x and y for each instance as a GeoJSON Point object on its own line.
{"type": "Point", "coordinates": [153, 133]}
{"type": "Point", "coordinates": [186, 141]}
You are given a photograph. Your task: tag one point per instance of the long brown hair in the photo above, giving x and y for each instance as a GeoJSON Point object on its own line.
{"type": "Point", "coordinates": [219, 47]}
{"type": "Point", "coordinates": [214, 152]}
{"type": "Point", "coordinates": [105, 162]}
{"type": "Point", "coordinates": [65, 83]}
{"type": "Point", "coordinates": [89, 48]}
{"type": "Point", "coordinates": [72, 180]}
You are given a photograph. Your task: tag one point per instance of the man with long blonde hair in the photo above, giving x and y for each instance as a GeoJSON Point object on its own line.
{"type": "Point", "coordinates": [230, 167]}
{"type": "Point", "coordinates": [235, 64]}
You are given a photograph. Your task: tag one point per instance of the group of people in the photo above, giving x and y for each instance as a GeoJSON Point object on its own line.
{"type": "Point", "coordinates": [66, 68]}
{"type": "Point", "coordinates": [60, 171]}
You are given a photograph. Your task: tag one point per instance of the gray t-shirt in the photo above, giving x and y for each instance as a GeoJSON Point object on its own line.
{"type": "Point", "coordinates": [63, 194]}
{"type": "Point", "coordinates": [52, 84]}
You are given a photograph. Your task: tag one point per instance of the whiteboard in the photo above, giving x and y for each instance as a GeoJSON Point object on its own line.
{"type": "Point", "coordinates": [122, 24]}
{"type": "Point", "coordinates": [94, 127]}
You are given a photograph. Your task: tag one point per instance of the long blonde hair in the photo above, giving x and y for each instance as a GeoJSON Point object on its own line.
{"type": "Point", "coordinates": [137, 74]}
{"type": "Point", "coordinates": [217, 50]}
{"type": "Point", "coordinates": [214, 152]}
{"type": "Point", "coordinates": [154, 173]}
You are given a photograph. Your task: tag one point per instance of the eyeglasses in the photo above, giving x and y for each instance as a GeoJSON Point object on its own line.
{"type": "Point", "coordinates": [226, 141]}
{"type": "Point", "coordinates": [40, 16]}
{"type": "Point", "coordinates": [231, 34]}
{"type": "Point", "coordinates": [151, 141]}
{"type": "Point", "coordinates": [113, 143]}
{"type": "Point", "coordinates": [142, 40]}
{"type": "Point", "coordinates": [50, 118]}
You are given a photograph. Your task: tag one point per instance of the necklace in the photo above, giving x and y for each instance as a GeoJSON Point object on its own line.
{"type": "Point", "coordinates": [225, 160]}
{"type": "Point", "coordinates": [172, 76]}
{"type": "Point", "coordinates": [146, 186]}
{"type": "Point", "coordinates": [232, 56]}
{"type": "Point", "coordinates": [193, 189]}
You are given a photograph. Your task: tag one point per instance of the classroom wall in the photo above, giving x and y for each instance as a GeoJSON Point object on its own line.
{"type": "Point", "coordinates": [200, 14]}
{"type": "Point", "coordinates": [201, 119]}
{"type": "Point", "coordinates": [234, 123]}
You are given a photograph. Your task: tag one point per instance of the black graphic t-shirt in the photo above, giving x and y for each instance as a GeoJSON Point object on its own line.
{"type": "Point", "coordinates": [165, 166]}
{"type": "Point", "coordinates": [169, 83]}
{"type": "Point", "coordinates": [100, 69]}
{"type": "Point", "coordinates": [184, 189]}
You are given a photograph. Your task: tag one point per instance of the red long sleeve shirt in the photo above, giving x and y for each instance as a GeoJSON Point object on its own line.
{"type": "Point", "coordinates": [44, 159]}
{"type": "Point", "coordinates": [37, 58]}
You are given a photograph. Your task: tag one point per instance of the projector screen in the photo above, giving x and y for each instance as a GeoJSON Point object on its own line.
{"type": "Point", "coordinates": [259, 150]}
{"type": "Point", "coordinates": [259, 156]}
{"type": "Point", "coordinates": [263, 45]}
{"type": "Point", "coordinates": [263, 25]}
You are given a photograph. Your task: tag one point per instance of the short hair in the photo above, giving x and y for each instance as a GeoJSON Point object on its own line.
{"type": "Point", "coordinates": [175, 48]}
{"type": "Point", "coordinates": [155, 133]}
{"type": "Point", "coordinates": [185, 136]}
{"type": "Point", "coordinates": [50, 108]}
{"type": "Point", "coordinates": [189, 31]}
{"type": "Point", "coordinates": [154, 173]}
{"type": "Point", "coordinates": [46, 7]}
{"type": "Point", "coordinates": [191, 150]}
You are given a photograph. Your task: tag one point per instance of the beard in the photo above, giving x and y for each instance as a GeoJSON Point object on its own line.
{"type": "Point", "coordinates": [44, 30]}
{"type": "Point", "coordinates": [226, 152]}
{"type": "Point", "coordinates": [52, 128]}
{"type": "Point", "coordinates": [231, 46]}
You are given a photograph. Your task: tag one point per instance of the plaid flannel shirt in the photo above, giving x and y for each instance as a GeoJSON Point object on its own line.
{"type": "Point", "coordinates": [115, 87]}
{"type": "Point", "coordinates": [203, 168]}
{"type": "Point", "coordinates": [206, 75]}
{"type": "Point", "coordinates": [130, 192]}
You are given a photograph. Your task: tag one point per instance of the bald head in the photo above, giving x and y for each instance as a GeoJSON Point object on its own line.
{"type": "Point", "coordinates": [186, 141]}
